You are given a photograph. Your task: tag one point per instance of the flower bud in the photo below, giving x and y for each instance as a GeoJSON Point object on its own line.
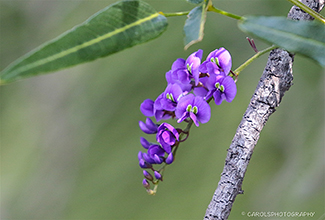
{"type": "Point", "coordinates": [144, 143]}
{"type": "Point", "coordinates": [148, 159]}
{"type": "Point", "coordinates": [147, 175]}
{"type": "Point", "coordinates": [143, 164]}
{"type": "Point", "coordinates": [140, 155]}
{"type": "Point", "coordinates": [145, 184]}
{"type": "Point", "coordinates": [158, 159]}
{"type": "Point", "coordinates": [148, 127]}
{"type": "Point", "coordinates": [158, 175]}
{"type": "Point", "coordinates": [170, 158]}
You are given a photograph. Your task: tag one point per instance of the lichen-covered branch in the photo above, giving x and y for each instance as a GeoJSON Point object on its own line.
{"type": "Point", "coordinates": [275, 81]}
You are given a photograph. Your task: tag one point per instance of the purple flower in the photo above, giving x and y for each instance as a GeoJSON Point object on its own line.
{"type": "Point", "coordinates": [220, 58]}
{"type": "Point", "coordinates": [156, 153]}
{"type": "Point", "coordinates": [213, 72]}
{"type": "Point", "coordinates": [193, 63]}
{"type": "Point", "coordinates": [149, 127]}
{"type": "Point", "coordinates": [221, 88]}
{"type": "Point", "coordinates": [145, 161]}
{"type": "Point", "coordinates": [179, 71]}
{"type": "Point", "coordinates": [171, 78]}
{"type": "Point", "coordinates": [167, 136]}
{"type": "Point", "coordinates": [168, 100]}
{"type": "Point", "coordinates": [185, 70]}
{"type": "Point", "coordinates": [146, 107]}
{"type": "Point", "coordinates": [142, 162]}
{"type": "Point", "coordinates": [148, 159]}
{"type": "Point", "coordinates": [193, 107]}
{"type": "Point", "coordinates": [159, 112]}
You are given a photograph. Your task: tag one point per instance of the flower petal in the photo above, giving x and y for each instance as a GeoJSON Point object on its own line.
{"type": "Point", "coordinates": [144, 128]}
{"type": "Point", "coordinates": [148, 159]}
{"type": "Point", "coordinates": [224, 58]}
{"type": "Point", "coordinates": [178, 64]}
{"type": "Point", "coordinates": [200, 91]}
{"type": "Point", "coordinates": [194, 118]}
{"type": "Point", "coordinates": [230, 88]}
{"type": "Point", "coordinates": [218, 97]}
{"type": "Point", "coordinates": [156, 150]}
{"type": "Point", "coordinates": [146, 107]}
{"type": "Point", "coordinates": [152, 126]}
{"type": "Point", "coordinates": [204, 110]}
{"type": "Point", "coordinates": [160, 114]}
{"type": "Point", "coordinates": [182, 105]}
{"type": "Point", "coordinates": [194, 62]}
{"type": "Point", "coordinates": [158, 159]}
{"type": "Point", "coordinates": [144, 143]}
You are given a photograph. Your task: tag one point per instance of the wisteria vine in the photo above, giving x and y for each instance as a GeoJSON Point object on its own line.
{"type": "Point", "coordinates": [191, 85]}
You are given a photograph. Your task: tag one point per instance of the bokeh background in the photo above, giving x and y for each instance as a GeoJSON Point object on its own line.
{"type": "Point", "coordinates": [69, 140]}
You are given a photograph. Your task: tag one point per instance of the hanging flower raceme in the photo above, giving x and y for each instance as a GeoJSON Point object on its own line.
{"type": "Point", "coordinates": [190, 87]}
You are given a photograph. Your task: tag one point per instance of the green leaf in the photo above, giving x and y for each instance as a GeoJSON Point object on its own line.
{"type": "Point", "coordinates": [195, 1]}
{"type": "Point", "coordinates": [304, 37]}
{"type": "Point", "coordinates": [194, 26]}
{"type": "Point", "coordinates": [115, 28]}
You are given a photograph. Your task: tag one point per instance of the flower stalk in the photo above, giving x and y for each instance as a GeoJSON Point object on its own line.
{"type": "Point", "coordinates": [250, 60]}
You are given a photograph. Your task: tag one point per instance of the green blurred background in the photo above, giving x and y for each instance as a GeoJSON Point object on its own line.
{"type": "Point", "coordinates": [69, 140]}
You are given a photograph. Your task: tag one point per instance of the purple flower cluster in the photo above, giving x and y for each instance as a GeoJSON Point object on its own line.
{"type": "Point", "coordinates": [191, 84]}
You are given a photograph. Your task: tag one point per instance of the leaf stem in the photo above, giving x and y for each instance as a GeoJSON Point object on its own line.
{"type": "Point", "coordinates": [212, 8]}
{"type": "Point", "coordinates": [308, 10]}
{"type": "Point", "coordinates": [260, 53]}
{"type": "Point", "coordinates": [173, 14]}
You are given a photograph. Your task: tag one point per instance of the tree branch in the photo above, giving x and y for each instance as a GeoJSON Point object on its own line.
{"type": "Point", "coordinates": [275, 81]}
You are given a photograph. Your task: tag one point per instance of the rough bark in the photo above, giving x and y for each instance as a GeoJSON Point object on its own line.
{"type": "Point", "coordinates": [275, 81]}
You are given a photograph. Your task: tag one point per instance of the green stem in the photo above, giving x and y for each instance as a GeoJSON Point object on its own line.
{"type": "Point", "coordinates": [308, 10]}
{"type": "Point", "coordinates": [173, 14]}
{"type": "Point", "coordinates": [188, 127]}
{"type": "Point", "coordinates": [260, 53]}
{"type": "Point", "coordinates": [212, 8]}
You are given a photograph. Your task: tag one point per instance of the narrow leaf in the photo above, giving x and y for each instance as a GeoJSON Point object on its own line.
{"type": "Point", "coordinates": [194, 26]}
{"type": "Point", "coordinates": [115, 28]}
{"type": "Point", "coordinates": [304, 37]}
